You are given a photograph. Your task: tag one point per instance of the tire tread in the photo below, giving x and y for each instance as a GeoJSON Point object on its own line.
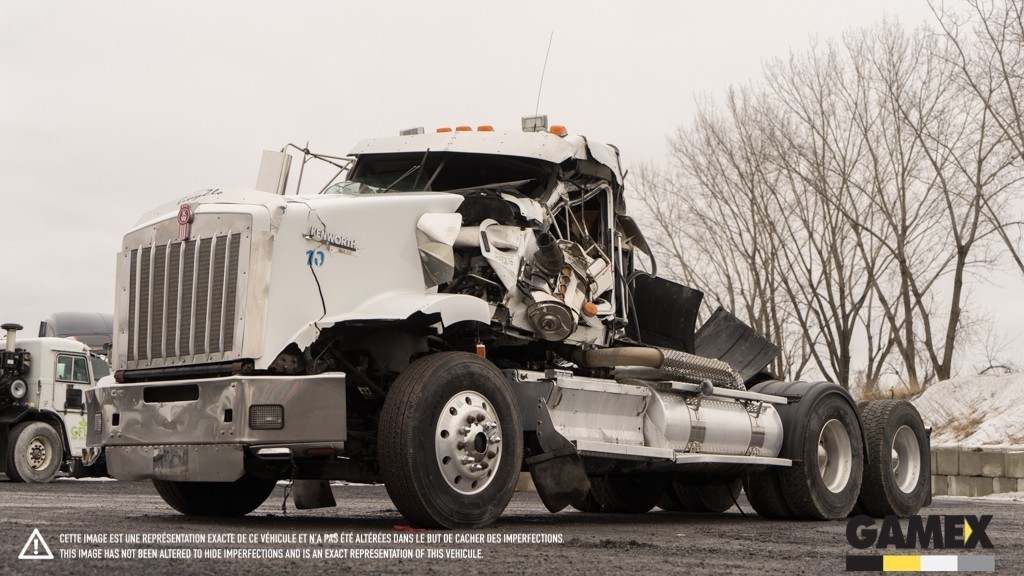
{"type": "Point", "coordinates": [12, 453]}
{"type": "Point", "coordinates": [798, 482]}
{"type": "Point", "coordinates": [764, 492]}
{"type": "Point", "coordinates": [876, 498]}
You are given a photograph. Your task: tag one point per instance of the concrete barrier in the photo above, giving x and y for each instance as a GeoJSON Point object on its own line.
{"type": "Point", "coordinates": [963, 472]}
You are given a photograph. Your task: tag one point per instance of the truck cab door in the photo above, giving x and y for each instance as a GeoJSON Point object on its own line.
{"type": "Point", "coordinates": [71, 379]}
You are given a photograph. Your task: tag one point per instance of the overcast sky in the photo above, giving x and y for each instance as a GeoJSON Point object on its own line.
{"type": "Point", "coordinates": [108, 109]}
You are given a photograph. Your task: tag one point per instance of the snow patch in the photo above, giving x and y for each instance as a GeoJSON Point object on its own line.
{"type": "Point", "coordinates": [1005, 496]}
{"type": "Point", "coordinates": [976, 411]}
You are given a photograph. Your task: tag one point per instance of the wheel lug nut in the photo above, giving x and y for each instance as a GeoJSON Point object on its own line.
{"type": "Point", "coordinates": [480, 417]}
{"type": "Point", "coordinates": [494, 440]}
{"type": "Point", "coordinates": [466, 461]}
{"type": "Point", "coordinates": [470, 419]}
{"type": "Point", "coordinates": [464, 430]}
{"type": "Point", "coordinates": [492, 454]}
{"type": "Point", "coordinates": [490, 426]}
{"type": "Point", "coordinates": [461, 445]}
{"type": "Point", "coordinates": [482, 466]}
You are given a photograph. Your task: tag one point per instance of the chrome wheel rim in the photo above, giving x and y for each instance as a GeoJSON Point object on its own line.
{"type": "Point", "coordinates": [467, 442]}
{"type": "Point", "coordinates": [835, 456]}
{"type": "Point", "coordinates": [906, 459]}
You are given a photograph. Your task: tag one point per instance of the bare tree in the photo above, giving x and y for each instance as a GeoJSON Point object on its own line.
{"type": "Point", "coordinates": [844, 204]}
{"type": "Point", "coordinates": [987, 46]}
{"type": "Point", "coordinates": [710, 228]}
{"type": "Point", "coordinates": [819, 154]}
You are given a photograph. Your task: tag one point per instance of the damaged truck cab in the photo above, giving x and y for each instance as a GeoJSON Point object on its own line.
{"type": "Point", "coordinates": [461, 307]}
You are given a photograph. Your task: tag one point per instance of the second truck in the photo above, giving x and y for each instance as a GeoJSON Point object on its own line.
{"type": "Point", "coordinates": [461, 307]}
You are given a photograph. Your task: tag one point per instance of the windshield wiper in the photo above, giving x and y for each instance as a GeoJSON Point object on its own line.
{"type": "Point", "coordinates": [419, 172]}
{"type": "Point", "coordinates": [511, 187]}
{"type": "Point", "coordinates": [416, 169]}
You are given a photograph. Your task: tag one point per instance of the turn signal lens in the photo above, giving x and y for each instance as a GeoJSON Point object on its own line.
{"type": "Point", "coordinates": [558, 130]}
{"type": "Point", "coordinates": [445, 129]}
{"type": "Point", "coordinates": [463, 128]}
{"type": "Point", "coordinates": [485, 128]}
{"type": "Point", "coordinates": [266, 417]}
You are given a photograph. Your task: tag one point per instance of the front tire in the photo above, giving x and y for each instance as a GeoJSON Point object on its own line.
{"type": "Point", "coordinates": [223, 499]}
{"type": "Point", "coordinates": [898, 470]}
{"type": "Point", "coordinates": [35, 453]}
{"type": "Point", "coordinates": [451, 441]}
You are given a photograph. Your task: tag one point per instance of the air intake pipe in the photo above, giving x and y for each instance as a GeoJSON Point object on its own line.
{"type": "Point", "coordinates": [12, 331]}
{"type": "Point", "coordinates": [669, 364]}
{"type": "Point", "coordinates": [549, 257]}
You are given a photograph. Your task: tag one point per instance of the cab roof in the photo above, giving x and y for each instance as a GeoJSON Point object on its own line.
{"type": "Point", "coordinates": [539, 145]}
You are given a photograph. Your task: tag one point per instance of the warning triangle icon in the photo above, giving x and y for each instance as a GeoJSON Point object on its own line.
{"type": "Point", "coordinates": [35, 548]}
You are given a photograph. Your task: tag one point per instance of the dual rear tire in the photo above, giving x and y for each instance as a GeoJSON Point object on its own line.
{"type": "Point", "coordinates": [707, 497]}
{"type": "Point", "coordinates": [623, 493]}
{"type": "Point", "coordinates": [897, 475]}
{"type": "Point", "coordinates": [883, 470]}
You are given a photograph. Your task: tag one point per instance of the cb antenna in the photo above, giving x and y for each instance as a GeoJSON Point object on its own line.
{"type": "Point", "coordinates": [542, 71]}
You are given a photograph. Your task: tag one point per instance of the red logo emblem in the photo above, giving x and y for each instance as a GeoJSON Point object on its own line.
{"type": "Point", "coordinates": [184, 219]}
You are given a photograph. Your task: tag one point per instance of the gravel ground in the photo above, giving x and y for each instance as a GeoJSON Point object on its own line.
{"type": "Point", "coordinates": [656, 543]}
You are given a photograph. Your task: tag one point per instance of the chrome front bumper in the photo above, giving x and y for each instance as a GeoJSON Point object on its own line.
{"type": "Point", "coordinates": [199, 430]}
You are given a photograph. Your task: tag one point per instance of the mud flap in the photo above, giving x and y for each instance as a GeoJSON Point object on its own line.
{"type": "Point", "coordinates": [558, 473]}
{"type": "Point", "coordinates": [727, 338]}
{"type": "Point", "coordinates": [308, 494]}
{"type": "Point", "coordinates": [665, 313]}
{"type": "Point", "coordinates": [559, 477]}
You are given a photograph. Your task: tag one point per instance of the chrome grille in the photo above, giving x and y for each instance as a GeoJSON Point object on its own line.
{"type": "Point", "coordinates": [182, 299]}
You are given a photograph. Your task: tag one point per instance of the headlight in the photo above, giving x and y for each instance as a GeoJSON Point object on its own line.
{"type": "Point", "coordinates": [18, 389]}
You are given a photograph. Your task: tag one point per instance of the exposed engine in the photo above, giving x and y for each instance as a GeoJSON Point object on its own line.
{"type": "Point", "coordinates": [549, 281]}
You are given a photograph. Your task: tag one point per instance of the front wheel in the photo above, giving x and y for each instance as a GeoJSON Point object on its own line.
{"type": "Point", "coordinates": [35, 453]}
{"type": "Point", "coordinates": [236, 498]}
{"type": "Point", "coordinates": [451, 441]}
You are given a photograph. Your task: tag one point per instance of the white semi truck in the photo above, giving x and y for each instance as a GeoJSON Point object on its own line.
{"type": "Point", "coordinates": [460, 307]}
{"type": "Point", "coordinates": [42, 405]}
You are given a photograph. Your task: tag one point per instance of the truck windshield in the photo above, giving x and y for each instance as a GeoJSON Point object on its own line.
{"type": "Point", "coordinates": [100, 368]}
{"type": "Point", "coordinates": [375, 173]}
